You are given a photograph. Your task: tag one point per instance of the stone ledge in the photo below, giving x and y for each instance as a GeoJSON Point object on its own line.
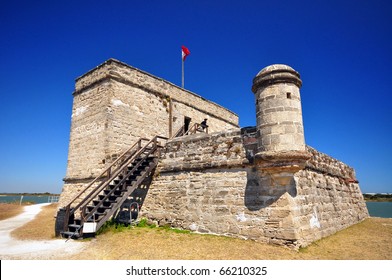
{"type": "Point", "coordinates": [283, 161]}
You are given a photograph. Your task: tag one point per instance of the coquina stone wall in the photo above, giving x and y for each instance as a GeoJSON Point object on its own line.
{"type": "Point", "coordinates": [329, 195]}
{"type": "Point", "coordinates": [116, 104]}
{"type": "Point", "coordinates": [209, 184]}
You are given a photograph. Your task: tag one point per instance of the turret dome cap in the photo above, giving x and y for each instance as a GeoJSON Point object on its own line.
{"type": "Point", "coordinates": [276, 73]}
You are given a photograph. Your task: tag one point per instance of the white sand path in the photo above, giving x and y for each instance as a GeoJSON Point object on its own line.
{"type": "Point", "coordinates": [29, 249]}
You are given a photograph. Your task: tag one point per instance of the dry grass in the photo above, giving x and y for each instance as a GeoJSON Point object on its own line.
{"type": "Point", "coordinates": [370, 239]}
{"type": "Point", "coordinates": [9, 210]}
{"type": "Point", "coordinates": [161, 244]}
{"type": "Point", "coordinates": [41, 228]}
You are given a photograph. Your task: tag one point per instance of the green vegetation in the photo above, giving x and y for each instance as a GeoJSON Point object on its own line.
{"type": "Point", "coordinates": [378, 197]}
{"type": "Point", "coordinates": [144, 223]}
{"type": "Point", "coordinates": [112, 226]}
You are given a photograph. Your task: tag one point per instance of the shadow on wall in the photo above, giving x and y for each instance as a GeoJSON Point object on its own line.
{"type": "Point", "coordinates": [262, 192]}
{"type": "Point", "coordinates": [132, 206]}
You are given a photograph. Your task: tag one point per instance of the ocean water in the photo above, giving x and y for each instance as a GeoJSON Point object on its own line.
{"type": "Point", "coordinates": [25, 198]}
{"type": "Point", "coordinates": [380, 209]}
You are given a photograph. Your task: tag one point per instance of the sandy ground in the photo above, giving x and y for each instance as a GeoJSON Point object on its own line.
{"type": "Point", "coordinates": [24, 249]}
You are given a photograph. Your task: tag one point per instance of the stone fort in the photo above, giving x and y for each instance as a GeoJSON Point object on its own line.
{"type": "Point", "coordinates": [137, 146]}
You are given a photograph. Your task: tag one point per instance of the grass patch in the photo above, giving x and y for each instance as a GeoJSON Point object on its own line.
{"type": "Point", "coordinates": [12, 209]}
{"type": "Point", "coordinates": [40, 228]}
{"type": "Point", "coordinates": [9, 210]}
{"type": "Point", "coordinates": [144, 223]}
{"type": "Point", "coordinates": [175, 230]}
{"type": "Point", "coordinates": [112, 226]}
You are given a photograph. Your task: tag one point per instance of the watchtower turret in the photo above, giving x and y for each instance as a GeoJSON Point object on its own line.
{"type": "Point", "coordinates": [281, 143]}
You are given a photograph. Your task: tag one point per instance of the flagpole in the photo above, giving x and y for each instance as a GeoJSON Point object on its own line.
{"type": "Point", "coordinates": [184, 53]}
{"type": "Point", "coordinates": [182, 82]}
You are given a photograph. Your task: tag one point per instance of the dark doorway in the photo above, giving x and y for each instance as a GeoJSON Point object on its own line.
{"type": "Point", "coordinates": [187, 122]}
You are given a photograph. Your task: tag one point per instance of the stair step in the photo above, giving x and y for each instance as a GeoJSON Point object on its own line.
{"type": "Point", "coordinates": [70, 234]}
{"type": "Point", "coordinates": [75, 226]}
{"type": "Point", "coordinates": [110, 198]}
{"type": "Point", "coordinates": [136, 171]}
{"type": "Point", "coordinates": [77, 221]}
{"type": "Point", "coordinates": [130, 178]}
{"type": "Point", "coordinates": [100, 209]}
{"type": "Point", "coordinates": [97, 213]}
{"type": "Point", "coordinates": [96, 217]}
{"type": "Point", "coordinates": [119, 188]}
{"type": "Point", "coordinates": [129, 181]}
{"type": "Point", "coordinates": [116, 192]}
{"type": "Point", "coordinates": [106, 203]}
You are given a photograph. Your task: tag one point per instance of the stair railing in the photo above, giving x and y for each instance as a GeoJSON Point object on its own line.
{"type": "Point", "coordinates": [150, 150]}
{"type": "Point", "coordinates": [130, 189]}
{"type": "Point", "coordinates": [132, 153]}
{"type": "Point", "coordinates": [179, 132]}
{"type": "Point", "coordinates": [196, 127]}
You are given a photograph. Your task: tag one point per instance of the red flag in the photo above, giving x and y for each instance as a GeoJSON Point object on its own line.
{"type": "Point", "coordinates": [185, 52]}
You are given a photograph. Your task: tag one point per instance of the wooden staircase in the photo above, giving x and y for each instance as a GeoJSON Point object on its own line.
{"type": "Point", "coordinates": [105, 195]}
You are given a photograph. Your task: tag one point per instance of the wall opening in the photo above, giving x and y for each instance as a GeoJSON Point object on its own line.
{"type": "Point", "coordinates": [288, 94]}
{"type": "Point", "coordinates": [187, 122]}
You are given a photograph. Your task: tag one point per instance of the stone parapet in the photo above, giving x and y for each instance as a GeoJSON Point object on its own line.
{"type": "Point", "coordinates": [325, 164]}
{"type": "Point", "coordinates": [114, 69]}
{"type": "Point", "coordinates": [204, 151]}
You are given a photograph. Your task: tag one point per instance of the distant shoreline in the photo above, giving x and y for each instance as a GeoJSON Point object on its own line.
{"type": "Point", "coordinates": [378, 200]}
{"type": "Point", "coordinates": [377, 197]}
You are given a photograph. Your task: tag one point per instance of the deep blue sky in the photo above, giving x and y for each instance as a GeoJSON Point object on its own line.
{"type": "Point", "coordinates": [342, 49]}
